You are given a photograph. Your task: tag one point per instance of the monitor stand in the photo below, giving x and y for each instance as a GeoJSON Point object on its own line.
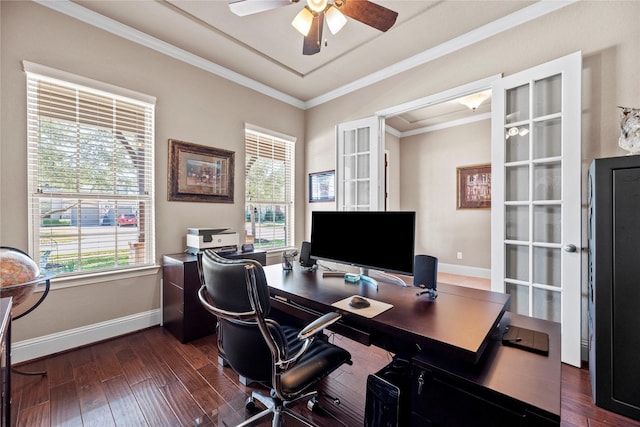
{"type": "Point", "coordinates": [432, 292]}
{"type": "Point", "coordinates": [366, 276]}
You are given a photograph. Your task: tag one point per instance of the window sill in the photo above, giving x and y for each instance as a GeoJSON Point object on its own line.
{"type": "Point", "coordinates": [106, 276]}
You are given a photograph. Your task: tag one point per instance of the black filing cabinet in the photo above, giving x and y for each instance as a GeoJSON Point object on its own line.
{"type": "Point", "coordinates": [614, 283]}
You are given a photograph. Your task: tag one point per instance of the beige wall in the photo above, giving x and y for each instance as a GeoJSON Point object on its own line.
{"type": "Point", "coordinates": [428, 173]}
{"type": "Point", "coordinates": [192, 105]}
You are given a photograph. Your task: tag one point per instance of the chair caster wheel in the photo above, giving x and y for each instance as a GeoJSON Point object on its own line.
{"type": "Point", "coordinates": [313, 405]}
{"type": "Point", "coordinates": [250, 404]}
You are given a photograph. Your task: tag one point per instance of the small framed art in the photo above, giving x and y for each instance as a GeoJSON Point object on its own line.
{"type": "Point", "coordinates": [474, 187]}
{"type": "Point", "coordinates": [322, 186]}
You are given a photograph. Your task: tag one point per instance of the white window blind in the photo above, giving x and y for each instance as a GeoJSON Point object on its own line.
{"type": "Point", "coordinates": [90, 171]}
{"type": "Point", "coordinates": [269, 189]}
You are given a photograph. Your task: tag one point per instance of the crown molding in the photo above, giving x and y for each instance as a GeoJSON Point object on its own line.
{"type": "Point", "coordinates": [107, 24]}
{"type": "Point", "coordinates": [446, 125]}
{"type": "Point", "coordinates": [498, 26]}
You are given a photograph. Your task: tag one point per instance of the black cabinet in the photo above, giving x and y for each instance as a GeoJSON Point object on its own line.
{"type": "Point", "coordinates": [182, 313]}
{"type": "Point", "coordinates": [614, 283]}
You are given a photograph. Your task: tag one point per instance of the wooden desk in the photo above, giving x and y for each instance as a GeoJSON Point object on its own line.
{"type": "Point", "coordinates": [469, 378]}
{"type": "Point", "coordinates": [458, 323]}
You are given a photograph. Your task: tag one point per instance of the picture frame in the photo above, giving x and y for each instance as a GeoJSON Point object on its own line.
{"type": "Point", "coordinates": [474, 187]}
{"type": "Point", "coordinates": [199, 173]}
{"type": "Point", "coordinates": [322, 186]}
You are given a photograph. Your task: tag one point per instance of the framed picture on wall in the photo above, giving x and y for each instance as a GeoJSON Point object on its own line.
{"type": "Point", "coordinates": [322, 186]}
{"type": "Point", "coordinates": [198, 173]}
{"type": "Point", "coordinates": [474, 187]}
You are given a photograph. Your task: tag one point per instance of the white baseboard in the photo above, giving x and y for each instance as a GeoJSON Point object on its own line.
{"type": "Point", "coordinates": [46, 345]}
{"type": "Point", "coordinates": [463, 270]}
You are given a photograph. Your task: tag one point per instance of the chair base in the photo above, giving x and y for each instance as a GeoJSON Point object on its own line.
{"type": "Point", "coordinates": [276, 407]}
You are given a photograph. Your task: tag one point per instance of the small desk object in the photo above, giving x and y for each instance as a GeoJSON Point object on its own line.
{"type": "Point", "coordinates": [182, 313]}
{"type": "Point", "coordinates": [461, 373]}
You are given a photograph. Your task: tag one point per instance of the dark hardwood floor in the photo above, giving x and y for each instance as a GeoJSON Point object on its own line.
{"type": "Point", "coordinates": [150, 379]}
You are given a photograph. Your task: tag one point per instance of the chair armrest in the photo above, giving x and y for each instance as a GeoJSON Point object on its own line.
{"type": "Point", "coordinates": [319, 325]}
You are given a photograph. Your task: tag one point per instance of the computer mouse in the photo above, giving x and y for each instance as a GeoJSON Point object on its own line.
{"type": "Point", "coordinates": [359, 302]}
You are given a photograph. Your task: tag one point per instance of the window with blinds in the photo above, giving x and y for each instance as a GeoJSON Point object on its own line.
{"type": "Point", "coordinates": [90, 172]}
{"type": "Point", "coordinates": [269, 190]}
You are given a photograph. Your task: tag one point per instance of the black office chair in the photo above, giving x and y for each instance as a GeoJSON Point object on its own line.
{"type": "Point", "coordinates": [425, 275]}
{"type": "Point", "coordinates": [287, 360]}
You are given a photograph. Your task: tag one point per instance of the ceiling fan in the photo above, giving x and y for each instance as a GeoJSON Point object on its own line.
{"type": "Point", "coordinates": [310, 20]}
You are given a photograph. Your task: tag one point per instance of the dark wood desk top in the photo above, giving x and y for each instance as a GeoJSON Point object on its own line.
{"type": "Point", "coordinates": [458, 322]}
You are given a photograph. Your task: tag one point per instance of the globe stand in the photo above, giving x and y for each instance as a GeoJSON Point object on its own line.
{"type": "Point", "coordinates": [18, 291]}
{"type": "Point", "coordinates": [47, 286]}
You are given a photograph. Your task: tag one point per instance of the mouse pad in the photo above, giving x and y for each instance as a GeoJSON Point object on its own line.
{"type": "Point", "coordinates": [373, 310]}
{"type": "Point", "coordinates": [526, 339]}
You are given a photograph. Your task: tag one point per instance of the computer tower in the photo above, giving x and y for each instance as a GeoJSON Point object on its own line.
{"type": "Point", "coordinates": [388, 396]}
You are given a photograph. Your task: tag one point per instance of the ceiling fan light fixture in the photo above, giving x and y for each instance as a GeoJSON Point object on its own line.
{"type": "Point", "coordinates": [303, 20]}
{"type": "Point", "coordinates": [317, 5]}
{"type": "Point", "coordinates": [474, 100]}
{"type": "Point", "coordinates": [335, 19]}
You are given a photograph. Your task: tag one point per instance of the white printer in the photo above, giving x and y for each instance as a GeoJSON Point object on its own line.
{"type": "Point", "coordinates": [219, 239]}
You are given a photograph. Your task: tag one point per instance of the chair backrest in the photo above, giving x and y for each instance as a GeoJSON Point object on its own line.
{"type": "Point", "coordinates": [233, 288]}
{"type": "Point", "coordinates": [425, 271]}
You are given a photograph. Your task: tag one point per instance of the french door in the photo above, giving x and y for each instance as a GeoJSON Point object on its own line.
{"type": "Point", "coordinates": [536, 196]}
{"type": "Point", "coordinates": [359, 166]}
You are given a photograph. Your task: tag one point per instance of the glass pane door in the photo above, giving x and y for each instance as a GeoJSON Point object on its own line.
{"type": "Point", "coordinates": [358, 171]}
{"type": "Point", "coordinates": [532, 146]}
{"type": "Point", "coordinates": [536, 204]}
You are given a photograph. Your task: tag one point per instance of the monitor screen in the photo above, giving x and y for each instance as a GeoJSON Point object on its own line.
{"type": "Point", "coordinates": [378, 240]}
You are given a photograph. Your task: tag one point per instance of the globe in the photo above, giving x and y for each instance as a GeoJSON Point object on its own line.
{"type": "Point", "coordinates": [17, 271]}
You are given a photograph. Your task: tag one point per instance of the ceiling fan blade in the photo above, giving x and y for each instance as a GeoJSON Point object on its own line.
{"type": "Point", "coordinates": [374, 15]}
{"type": "Point", "coordinates": [249, 7]}
{"type": "Point", "coordinates": [313, 40]}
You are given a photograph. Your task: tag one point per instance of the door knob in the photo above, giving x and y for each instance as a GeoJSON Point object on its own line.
{"type": "Point", "coordinates": [570, 248]}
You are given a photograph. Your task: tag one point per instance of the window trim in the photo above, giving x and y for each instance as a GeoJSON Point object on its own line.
{"type": "Point", "coordinates": [67, 77]}
{"type": "Point", "coordinates": [116, 93]}
{"type": "Point", "coordinates": [268, 133]}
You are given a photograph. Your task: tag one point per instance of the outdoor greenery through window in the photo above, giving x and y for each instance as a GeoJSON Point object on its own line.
{"type": "Point", "coordinates": [90, 167]}
{"type": "Point", "coordinates": [269, 190]}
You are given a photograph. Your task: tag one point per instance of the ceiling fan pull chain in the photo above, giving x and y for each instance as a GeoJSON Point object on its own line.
{"type": "Point", "coordinates": [319, 32]}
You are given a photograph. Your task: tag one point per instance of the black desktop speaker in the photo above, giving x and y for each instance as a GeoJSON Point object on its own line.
{"type": "Point", "coordinates": [425, 271]}
{"type": "Point", "coordinates": [305, 255]}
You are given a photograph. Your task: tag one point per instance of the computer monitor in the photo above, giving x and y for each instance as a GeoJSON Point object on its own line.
{"type": "Point", "coordinates": [370, 240]}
